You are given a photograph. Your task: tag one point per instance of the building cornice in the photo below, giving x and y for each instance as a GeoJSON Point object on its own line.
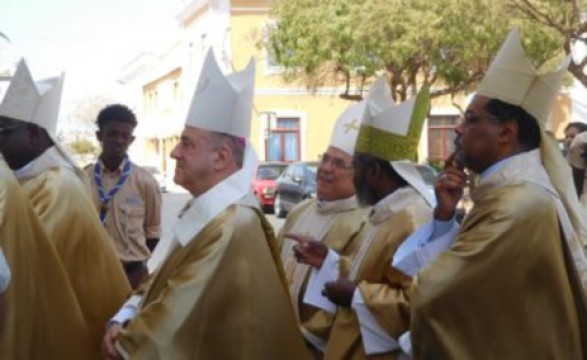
{"type": "Point", "coordinates": [243, 9]}
{"type": "Point", "coordinates": [190, 9]}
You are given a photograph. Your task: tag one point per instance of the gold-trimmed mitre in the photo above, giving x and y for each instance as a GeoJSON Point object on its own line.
{"type": "Point", "coordinates": [346, 129]}
{"type": "Point", "coordinates": [512, 78]}
{"type": "Point", "coordinates": [388, 131]}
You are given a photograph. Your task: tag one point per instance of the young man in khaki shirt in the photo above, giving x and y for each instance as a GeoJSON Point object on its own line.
{"type": "Point", "coordinates": [126, 195]}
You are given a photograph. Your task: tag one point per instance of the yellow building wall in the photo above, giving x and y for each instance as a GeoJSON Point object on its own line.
{"type": "Point", "coordinates": [318, 113]}
{"type": "Point", "coordinates": [161, 103]}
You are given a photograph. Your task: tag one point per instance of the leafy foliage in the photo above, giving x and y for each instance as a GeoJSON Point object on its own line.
{"type": "Point", "coordinates": [444, 44]}
{"type": "Point", "coordinates": [83, 146]}
{"type": "Point", "coordinates": [567, 19]}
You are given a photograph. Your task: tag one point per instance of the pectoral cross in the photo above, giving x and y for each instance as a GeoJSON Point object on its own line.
{"type": "Point", "coordinates": [351, 126]}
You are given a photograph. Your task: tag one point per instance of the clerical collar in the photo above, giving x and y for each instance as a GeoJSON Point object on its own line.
{"type": "Point", "coordinates": [495, 167]}
{"type": "Point", "coordinates": [324, 206]}
{"type": "Point", "coordinates": [48, 159]}
{"type": "Point", "coordinates": [526, 166]}
{"type": "Point", "coordinates": [215, 200]}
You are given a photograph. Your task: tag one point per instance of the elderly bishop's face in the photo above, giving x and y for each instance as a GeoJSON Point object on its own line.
{"type": "Point", "coordinates": [194, 155]}
{"type": "Point", "coordinates": [335, 175]}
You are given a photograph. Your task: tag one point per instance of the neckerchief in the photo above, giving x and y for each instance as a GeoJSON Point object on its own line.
{"type": "Point", "coordinates": [105, 197]}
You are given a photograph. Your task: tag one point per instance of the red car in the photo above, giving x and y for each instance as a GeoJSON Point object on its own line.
{"type": "Point", "coordinates": [264, 182]}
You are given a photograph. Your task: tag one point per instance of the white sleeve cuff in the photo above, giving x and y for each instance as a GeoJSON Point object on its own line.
{"type": "Point", "coordinates": [330, 271]}
{"type": "Point", "coordinates": [429, 251]}
{"type": "Point", "coordinates": [129, 310]}
{"type": "Point", "coordinates": [406, 344]}
{"type": "Point", "coordinates": [375, 338]}
{"type": "Point", "coordinates": [442, 227]}
{"type": "Point", "coordinates": [420, 248]}
{"type": "Point", "coordinates": [121, 351]}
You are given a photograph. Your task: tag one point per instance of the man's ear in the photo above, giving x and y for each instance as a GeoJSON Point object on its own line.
{"type": "Point", "coordinates": [99, 135]}
{"type": "Point", "coordinates": [508, 132]}
{"type": "Point", "coordinates": [224, 157]}
{"type": "Point", "coordinates": [373, 173]}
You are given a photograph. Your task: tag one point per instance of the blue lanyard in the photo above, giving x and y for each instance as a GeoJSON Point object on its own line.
{"type": "Point", "coordinates": [105, 197]}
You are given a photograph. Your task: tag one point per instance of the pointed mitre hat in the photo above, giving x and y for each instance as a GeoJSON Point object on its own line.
{"type": "Point", "coordinates": [392, 132]}
{"type": "Point", "coordinates": [346, 129]}
{"type": "Point", "coordinates": [223, 103]}
{"type": "Point", "coordinates": [512, 78]}
{"type": "Point", "coordinates": [36, 103]}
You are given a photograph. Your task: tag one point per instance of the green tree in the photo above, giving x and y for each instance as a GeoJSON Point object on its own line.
{"type": "Point", "coordinates": [444, 44]}
{"type": "Point", "coordinates": [567, 19]}
{"type": "Point", "coordinates": [83, 146]}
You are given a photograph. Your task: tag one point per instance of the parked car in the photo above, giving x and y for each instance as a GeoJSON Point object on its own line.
{"type": "Point", "coordinates": [264, 182]}
{"type": "Point", "coordinates": [429, 175]}
{"type": "Point", "coordinates": [159, 177]}
{"type": "Point", "coordinates": [296, 183]}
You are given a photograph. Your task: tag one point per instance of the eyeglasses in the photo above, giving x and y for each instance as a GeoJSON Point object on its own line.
{"type": "Point", "coordinates": [335, 162]}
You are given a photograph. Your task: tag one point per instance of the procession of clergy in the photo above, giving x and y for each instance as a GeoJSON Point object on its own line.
{"type": "Point", "coordinates": [376, 267]}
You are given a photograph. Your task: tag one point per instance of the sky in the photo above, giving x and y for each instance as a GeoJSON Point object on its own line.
{"type": "Point", "coordinates": [92, 40]}
{"type": "Point", "coordinates": [89, 40]}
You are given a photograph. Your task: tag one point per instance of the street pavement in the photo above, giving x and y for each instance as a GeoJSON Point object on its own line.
{"type": "Point", "coordinates": [173, 202]}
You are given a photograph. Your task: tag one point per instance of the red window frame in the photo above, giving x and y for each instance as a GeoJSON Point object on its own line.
{"type": "Point", "coordinates": [444, 130]}
{"type": "Point", "coordinates": [282, 131]}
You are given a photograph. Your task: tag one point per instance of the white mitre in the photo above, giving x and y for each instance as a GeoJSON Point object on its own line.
{"type": "Point", "coordinates": [36, 103]}
{"type": "Point", "coordinates": [512, 78]}
{"type": "Point", "coordinates": [223, 103]}
{"type": "Point", "coordinates": [346, 129]}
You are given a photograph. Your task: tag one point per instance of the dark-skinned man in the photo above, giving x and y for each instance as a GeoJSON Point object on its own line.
{"type": "Point", "coordinates": [126, 195]}
{"type": "Point", "coordinates": [512, 285]}
{"type": "Point", "coordinates": [334, 218]}
{"type": "Point", "coordinates": [39, 307]}
{"type": "Point", "coordinates": [364, 326]}
{"type": "Point", "coordinates": [56, 189]}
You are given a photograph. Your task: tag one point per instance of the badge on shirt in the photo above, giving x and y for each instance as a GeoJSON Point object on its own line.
{"type": "Point", "coordinates": [134, 201]}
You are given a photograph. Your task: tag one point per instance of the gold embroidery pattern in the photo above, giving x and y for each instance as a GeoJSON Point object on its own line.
{"type": "Point", "coordinates": [392, 147]}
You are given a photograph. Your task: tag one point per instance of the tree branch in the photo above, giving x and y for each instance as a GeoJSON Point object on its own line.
{"type": "Point", "coordinates": [461, 87]}
{"type": "Point", "coordinates": [533, 13]}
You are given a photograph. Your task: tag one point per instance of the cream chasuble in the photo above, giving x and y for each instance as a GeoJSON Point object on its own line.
{"type": "Point", "coordinates": [392, 220]}
{"type": "Point", "coordinates": [43, 319]}
{"type": "Point", "coordinates": [336, 224]}
{"type": "Point", "coordinates": [222, 295]}
{"type": "Point", "coordinates": [507, 288]}
{"type": "Point", "coordinates": [62, 203]}
{"type": "Point", "coordinates": [221, 292]}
